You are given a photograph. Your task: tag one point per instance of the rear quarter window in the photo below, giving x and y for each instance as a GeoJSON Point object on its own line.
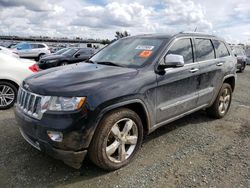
{"type": "Point", "coordinates": [204, 50]}
{"type": "Point", "coordinates": [220, 49]}
{"type": "Point", "coordinates": [41, 46]}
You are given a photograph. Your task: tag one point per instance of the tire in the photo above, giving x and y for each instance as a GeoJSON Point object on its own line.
{"type": "Point", "coordinates": [8, 95]}
{"type": "Point", "coordinates": [222, 104]}
{"type": "Point", "coordinates": [40, 56]}
{"type": "Point", "coordinates": [106, 147]}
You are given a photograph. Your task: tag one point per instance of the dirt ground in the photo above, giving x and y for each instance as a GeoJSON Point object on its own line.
{"type": "Point", "coordinates": [195, 151]}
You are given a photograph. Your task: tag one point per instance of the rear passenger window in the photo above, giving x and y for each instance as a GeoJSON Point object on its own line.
{"type": "Point", "coordinates": [204, 50]}
{"type": "Point", "coordinates": [183, 47]}
{"type": "Point", "coordinates": [220, 49]}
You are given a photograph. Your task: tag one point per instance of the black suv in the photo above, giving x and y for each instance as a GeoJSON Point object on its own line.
{"type": "Point", "coordinates": [69, 56]}
{"type": "Point", "coordinates": [241, 56]}
{"type": "Point", "coordinates": [125, 91]}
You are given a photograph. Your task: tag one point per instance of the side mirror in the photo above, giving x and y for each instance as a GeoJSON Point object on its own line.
{"type": "Point", "coordinates": [173, 60]}
{"type": "Point", "coordinates": [77, 55]}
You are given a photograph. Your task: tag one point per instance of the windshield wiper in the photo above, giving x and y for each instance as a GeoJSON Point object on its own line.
{"type": "Point", "coordinates": [108, 63]}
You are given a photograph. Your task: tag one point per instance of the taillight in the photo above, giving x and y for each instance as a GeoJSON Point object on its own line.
{"type": "Point", "coordinates": [34, 68]}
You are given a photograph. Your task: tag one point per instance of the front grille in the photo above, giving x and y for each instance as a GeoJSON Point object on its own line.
{"type": "Point", "coordinates": [29, 103]}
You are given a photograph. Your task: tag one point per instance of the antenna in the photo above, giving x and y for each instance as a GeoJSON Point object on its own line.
{"type": "Point", "coordinates": [195, 29]}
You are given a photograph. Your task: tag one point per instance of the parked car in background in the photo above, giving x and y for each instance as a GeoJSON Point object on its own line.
{"type": "Point", "coordinates": [61, 51]}
{"type": "Point", "coordinates": [31, 50]}
{"type": "Point", "coordinates": [72, 55]}
{"type": "Point", "coordinates": [127, 90]}
{"type": "Point", "coordinates": [248, 57]}
{"type": "Point", "coordinates": [8, 52]}
{"type": "Point", "coordinates": [240, 54]}
{"type": "Point", "coordinates": [12, 72]}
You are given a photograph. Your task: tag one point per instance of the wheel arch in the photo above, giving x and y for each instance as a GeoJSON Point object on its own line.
{"type": "Point", "coordinates": [231, 81]}
{"type": "Point", "coordinates": [10, 81]}
{"type": "Point", "coordinates": [135, 105]}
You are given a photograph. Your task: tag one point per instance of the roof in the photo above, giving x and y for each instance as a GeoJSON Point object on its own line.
{"type": "Point", "coordinates": [170, 35]}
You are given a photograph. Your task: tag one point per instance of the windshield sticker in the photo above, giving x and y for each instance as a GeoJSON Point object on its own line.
{"type": "Point", "coordinates": [144, 47]}
{"type": "Point", "coordinates": [145, 54]}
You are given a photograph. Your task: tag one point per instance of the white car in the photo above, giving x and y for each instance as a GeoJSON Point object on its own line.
{"type": "Point", "coordinates": [12, 72]}
{"type": "Point", "coordinates": [31, 50]}
{"type": "Point", "coordinates": [8, 51]}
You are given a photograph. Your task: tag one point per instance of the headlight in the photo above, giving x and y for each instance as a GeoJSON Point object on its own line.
{"type": "Point", "coordinates": [65, 103]}
{"type": "Point", "coordinates": [61, 103]}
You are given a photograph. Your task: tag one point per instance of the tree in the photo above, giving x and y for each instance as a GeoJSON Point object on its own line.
{"type": "Point", "coordinates": [119, 34]}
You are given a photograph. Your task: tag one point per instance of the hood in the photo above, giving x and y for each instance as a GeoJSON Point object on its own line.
{"type": "Point", "coordinates": [77, 79]}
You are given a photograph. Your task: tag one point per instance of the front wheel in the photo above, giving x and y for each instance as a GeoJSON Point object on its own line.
{"type": "Point", "coordinates": [117, 139]}
{"type": "Point", "coordinates": [222, 103]}
{"type": "Point", "coordinates": [8, 93]}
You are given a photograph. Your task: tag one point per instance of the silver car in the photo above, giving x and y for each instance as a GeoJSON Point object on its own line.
{"type": "Point", "coordinates": [31, 50]}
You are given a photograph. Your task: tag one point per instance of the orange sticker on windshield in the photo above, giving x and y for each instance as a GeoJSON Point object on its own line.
{"type": "Point", "coordinates": [145, 53]}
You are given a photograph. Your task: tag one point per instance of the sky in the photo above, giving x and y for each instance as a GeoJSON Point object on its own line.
{"type": "Point", "coordinates": [100, 19]}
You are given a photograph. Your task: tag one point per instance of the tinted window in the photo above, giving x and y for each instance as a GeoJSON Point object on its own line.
{"type": "Point", "coordinates": [183, 47]}
{"type": "Point", "coordinates": [220, 49]}
{"type": "Point", "coordinates": [40, 46]}
{"type": "Point", "coordinates": [204, 50]}
{"type": "Point", "coordinates": [22, 46]}
{"type": "Point", "coordinates": [33, 45]}
{"type": "Point", "coordinates": [85, 51]}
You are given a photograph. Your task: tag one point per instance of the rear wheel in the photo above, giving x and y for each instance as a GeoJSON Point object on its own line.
{"type": "Point", "coordinates": [8, 93]}
{"type": "Point", "coordinates": [40, 56]}
{"type": "Point", "coordinates": [222, 103]}
{"type": "Point", "coordinates": [117, 139]}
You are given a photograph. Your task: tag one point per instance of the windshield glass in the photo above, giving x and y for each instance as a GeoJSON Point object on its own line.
{"type": "Point", "coordinates": [70, 52]}
{"type": "Point", "coordinates": [61, 51]}
{"type": "Point", "coordinates": [129, 52]}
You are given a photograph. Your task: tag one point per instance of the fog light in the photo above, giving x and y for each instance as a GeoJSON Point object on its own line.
{"type": "Point", "coordinates": [55, 136]}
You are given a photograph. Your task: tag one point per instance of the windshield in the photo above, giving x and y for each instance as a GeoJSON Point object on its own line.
{"type": "Point", "coordinates": [129, 52]}
{"type": "Point", "coordinates": [70, 51]}
{"type": "Point", "coordinates": [61, 51]}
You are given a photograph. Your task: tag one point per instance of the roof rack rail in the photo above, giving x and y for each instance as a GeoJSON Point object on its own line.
{"type": "Point", "coordinates": [194, 32]}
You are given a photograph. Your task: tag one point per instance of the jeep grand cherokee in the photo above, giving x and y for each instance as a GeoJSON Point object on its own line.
{"type": "Point", "coordinates": [125, 91]}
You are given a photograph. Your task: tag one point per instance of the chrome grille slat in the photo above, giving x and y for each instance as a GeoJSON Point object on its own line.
{"type": "Point", "coordinates": [28, 103]}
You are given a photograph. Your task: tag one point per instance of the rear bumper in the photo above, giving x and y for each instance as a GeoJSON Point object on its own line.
{"type": "Point", "coordinates": [240, 65]}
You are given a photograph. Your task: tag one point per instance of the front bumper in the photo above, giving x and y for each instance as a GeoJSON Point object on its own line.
{"type": "Point", "coordinates": [71, 158]}
{"type": "Point", "coordinates": [35, 133]}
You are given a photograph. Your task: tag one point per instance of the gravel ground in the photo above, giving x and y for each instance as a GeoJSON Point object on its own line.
{"type": "Point", "coordinates": [195, 151]}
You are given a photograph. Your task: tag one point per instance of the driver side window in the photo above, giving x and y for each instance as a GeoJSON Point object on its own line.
{"type": "Point", "coordinates": [183, 47]}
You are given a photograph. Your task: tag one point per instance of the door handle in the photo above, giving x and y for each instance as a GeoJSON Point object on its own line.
{"type": "Point", "coordinates": [193, 70]}
{"type": "Point", "coordinates": [219, 64]}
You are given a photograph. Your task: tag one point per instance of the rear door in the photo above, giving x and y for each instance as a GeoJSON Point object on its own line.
{"type": "Point", "coordinates": [211, 66]}
{"type": "Point", "coordinates": [177, 88]}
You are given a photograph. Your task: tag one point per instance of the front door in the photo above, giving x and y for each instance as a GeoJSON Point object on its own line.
{"type": "Point", "coordinates": [177, 88]}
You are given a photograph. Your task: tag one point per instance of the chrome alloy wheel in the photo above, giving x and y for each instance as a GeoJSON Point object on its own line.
{"type": "Point", "coordinates": [7, 95]}
{"type": "Point", "coordinates": [122, 140]}
{"type": "Point", "coordinates": [224, 101]}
